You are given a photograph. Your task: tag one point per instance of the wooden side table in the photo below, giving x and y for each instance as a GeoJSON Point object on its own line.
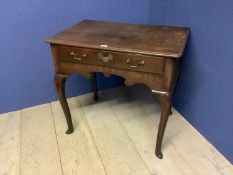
{"type": "Point", "coordinates": [139, 53]}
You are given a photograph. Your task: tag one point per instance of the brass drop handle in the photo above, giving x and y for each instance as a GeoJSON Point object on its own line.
{"type": "Point", "coordinates": [106, 58]}
{"type": "Point", "coordinates": [140, 63]}
{"type": "Point", "coordinates": [76, 57]}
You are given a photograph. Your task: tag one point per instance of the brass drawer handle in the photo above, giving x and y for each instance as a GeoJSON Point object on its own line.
{"type": "Point", "coordinates": [141, 63]}
{"type": "Point", "coordinates": [76, 57]}
{"type": "Point", "coordinates": [106, 58]}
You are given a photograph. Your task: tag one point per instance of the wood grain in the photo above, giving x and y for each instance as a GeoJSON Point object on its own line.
{"type": "Point", "coordinates": [120, 127]}
{"type": "Point", "coordinates": [153, 81]}
{"type": "Point", "coordinates": [134, 38]}
{"type": "Point", "coordinates": [151, 64]}
{"type": "Point", "coordinates": [184, 142]}
{"type": "Point", "coordinates": [39, 149]}
{"type": "Point", "coordinates": [78, 151]}
{"type": "Point", "coordinates": [141, 127]}
{"type": "Point", "coordinates": [118, 154]}
{"type": "Point", "coordinates": [10, 143]}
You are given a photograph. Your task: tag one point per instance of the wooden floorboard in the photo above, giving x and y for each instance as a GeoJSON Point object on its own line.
{"type": "Point", "coordinates": [142, 130]}
{"type": "Point", "coordinates": [114, 136]}
{"type": "Point", "coordinates": [118, 153]}
{"type": "Point", "coordinates": [78, 152]}
{"type": "Point", "coordinates": [182, 141]}
{"type": "Point", "coordinates": [39, 149]}
{"type": "Point", "coordinates": [10, 143]}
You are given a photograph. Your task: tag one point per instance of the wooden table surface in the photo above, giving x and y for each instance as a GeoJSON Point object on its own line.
{"type": "Point", "coordinates": [145, 39]}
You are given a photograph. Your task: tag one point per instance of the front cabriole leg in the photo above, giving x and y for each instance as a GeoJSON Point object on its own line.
{"type": "Point", "coordinates": [59, 81]}
{"type": "Point", "coordinates": [165, 103]}
{"type": "Point", "coordinates": [171, 72]}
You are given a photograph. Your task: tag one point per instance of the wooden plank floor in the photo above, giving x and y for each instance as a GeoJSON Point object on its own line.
{"type": "Point", "coordinates": [114, 136]}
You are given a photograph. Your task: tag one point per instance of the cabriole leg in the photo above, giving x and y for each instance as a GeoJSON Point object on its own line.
{"type": "Point", "coordinates": [165, 102]}
{"type": "Point", "coordinates": [59, 81]}
{"type": "Point", "coordinates": [94, 86]}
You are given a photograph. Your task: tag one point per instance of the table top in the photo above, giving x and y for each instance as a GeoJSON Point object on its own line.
{"type": "Point", "coordinates": [134, 38]}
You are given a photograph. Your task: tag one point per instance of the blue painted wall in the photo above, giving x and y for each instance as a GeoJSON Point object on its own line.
{"type": "Point", "coordinates": [26, 69]}
{"type": "Point", "coordinates": [205, 91]}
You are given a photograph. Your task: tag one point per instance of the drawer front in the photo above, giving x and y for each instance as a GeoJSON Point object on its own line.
{"type": "Point", "coordinates": [137, 62]}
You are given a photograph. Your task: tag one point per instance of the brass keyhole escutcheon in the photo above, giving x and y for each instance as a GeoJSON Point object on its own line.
{"type": "Point", "coordinates": [105, 57]}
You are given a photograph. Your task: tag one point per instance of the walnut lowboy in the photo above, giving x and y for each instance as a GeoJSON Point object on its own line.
{"type": "Point", "coordinates": [139, 53]}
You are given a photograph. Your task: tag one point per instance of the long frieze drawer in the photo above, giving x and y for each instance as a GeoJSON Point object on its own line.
{"type": "Point", "coordinates": [122, 60]}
